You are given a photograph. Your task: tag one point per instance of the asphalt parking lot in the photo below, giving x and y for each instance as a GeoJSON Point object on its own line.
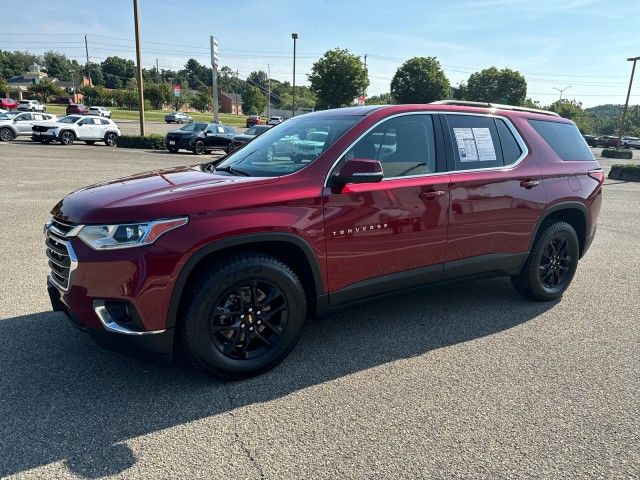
{"type": "Point", "coordinates": [467, 381]}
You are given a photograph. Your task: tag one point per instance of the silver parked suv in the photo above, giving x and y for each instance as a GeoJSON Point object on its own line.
{"type": "Point", "coordinates": [16, 124]}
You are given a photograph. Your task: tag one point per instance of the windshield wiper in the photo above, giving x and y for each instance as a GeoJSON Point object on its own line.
{"type": "Point", "coordinates": [231, 170]}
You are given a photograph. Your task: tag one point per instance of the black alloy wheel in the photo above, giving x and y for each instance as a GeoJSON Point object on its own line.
{"type": "Point", "coordinates": [6, 134]}
{"type": "Point", "coordinates": [111, 140]}
{"type": "Point", "coordinates": [67, 137]}
{"type": "Point", "coordinates": [551, 264]}
{"type": "Point", "coordinates": [555, 262]}
{"type": "Point", "coordinates": [198, 147]}
{"type": "Point", "coordinates": [249, 319]}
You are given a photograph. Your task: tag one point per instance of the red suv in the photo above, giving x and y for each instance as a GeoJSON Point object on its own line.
{"type": "Point", "coordinates": [226, 260]}
{"type": "Point", "coordinates": [77, 109]}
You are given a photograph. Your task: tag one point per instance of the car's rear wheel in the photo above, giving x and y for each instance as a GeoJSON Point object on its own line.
{"type": "Point", "coordinates": [6, 134]}
{"type": "Point", "coordinates": [111, 140]}
{"type": "Point", "coordinates": [551, 264]}
{"type": "Point", "coordinates": [67, 137]}
{"type": "Point", "coordinates": [198, 147]}
{"type": "Point", "coordinates": [243, 316]}
{"type": "Point", "coordinates": [89, 142]}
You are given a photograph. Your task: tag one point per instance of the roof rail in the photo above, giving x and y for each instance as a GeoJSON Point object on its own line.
{"type": "Point", "coordinates": [465, 103]}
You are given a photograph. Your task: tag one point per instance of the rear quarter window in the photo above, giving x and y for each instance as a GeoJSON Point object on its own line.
{"type": "Point", "coordinates": [564, 138]}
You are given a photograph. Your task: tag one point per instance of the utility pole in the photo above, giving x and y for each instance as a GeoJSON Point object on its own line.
{"type": "Point", "coordinates": [139, 66]}
{"type": "Point", "coordinates": [626, 104]}
{"type": "Point", "coordinates": [214, 76]}
{"type": "Point", "coordinates": [86, 49]}
{"type": "Point", "coordinates": [561, 90]}
{"type": "Point", "coordinates": [235, 91]}
{"type": "Point", "coordinates": [268, 91]}
{"type": "Point", "coordinates": [364, 91]}
{"type": "Point", "coordinates": [293, 103]}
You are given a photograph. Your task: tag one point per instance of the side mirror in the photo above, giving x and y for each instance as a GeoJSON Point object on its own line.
{"type": "Point", "coordinates": [359, 170]}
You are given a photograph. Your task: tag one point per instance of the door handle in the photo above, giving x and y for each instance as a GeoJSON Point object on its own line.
{"type": "Point", "coordinates": [431, 195]}
{"type": "Point", "coordinates": [529, 183]}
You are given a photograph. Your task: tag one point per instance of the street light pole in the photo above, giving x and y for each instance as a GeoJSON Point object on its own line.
{"type": "Point", "coordinates": [561, 90]}
{"type": "Point", "coordinates": [293, 103]}
{"type": "Point", "coordinates": [626, 104]}
{"type": "Point", "coordinates": [139, 61]}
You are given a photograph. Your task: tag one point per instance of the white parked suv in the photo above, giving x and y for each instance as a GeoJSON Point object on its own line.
{"type": "Point", "coordinates": [99, 111]}
{"type": "Point", "coordinates": [275, 120]}
{"type": "Point", "coordinates": [87, 128]}
{"type": "Point", "coordinates": [16, 124]}
{"type": "Point", "coordinates": [31, 106]}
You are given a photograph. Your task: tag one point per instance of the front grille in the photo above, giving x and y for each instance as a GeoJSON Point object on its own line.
{"type": "Point", "coordinates": [41, 128]}
{"type": "Point", "coordinates": [61, 257]}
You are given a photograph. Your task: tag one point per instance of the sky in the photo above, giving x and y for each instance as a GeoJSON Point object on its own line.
{"type": "Point", "coordinates": [579, 44]}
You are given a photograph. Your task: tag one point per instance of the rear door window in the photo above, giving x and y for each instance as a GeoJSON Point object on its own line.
{"type": "Point", "coordinates": [475, 142]}
{"type": "Point", "coordinates": [564, 138]}
{"type": "Point", "coordinates": [511, 150]}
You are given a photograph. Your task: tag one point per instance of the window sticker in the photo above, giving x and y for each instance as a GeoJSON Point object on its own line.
{"type": "Point", "coordinates": [475, 144]}
{"type": "Point", "coordinates": [484, 144]}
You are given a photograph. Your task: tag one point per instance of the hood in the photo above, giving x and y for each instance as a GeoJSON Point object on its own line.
{"type": "Point", "coordinates": [50, 123]}
{"type": "Point", "coordinates": [151, 195]}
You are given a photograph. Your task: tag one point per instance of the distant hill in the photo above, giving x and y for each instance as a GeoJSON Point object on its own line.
{"type": "Point", "coordinates": [608, 110]}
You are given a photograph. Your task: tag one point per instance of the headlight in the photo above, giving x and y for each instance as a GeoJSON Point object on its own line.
{"type": "Point", "coordinates": [128, 235]}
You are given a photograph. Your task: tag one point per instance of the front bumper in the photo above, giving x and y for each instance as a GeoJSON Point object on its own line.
{"type": "Point", "coordinates": [156, 345]}
{"type": "Point", "coordinates": [43, 136]}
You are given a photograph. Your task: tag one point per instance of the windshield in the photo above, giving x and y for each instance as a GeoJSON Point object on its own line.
{"type": "Point", "coordinates": [285, 148]}
{"type": "Point", "coordinates": [7, 116]}
{"type": "Point", "coordinates": [194, 127]}
{"type": "Point", "coordinates": [69, 119]}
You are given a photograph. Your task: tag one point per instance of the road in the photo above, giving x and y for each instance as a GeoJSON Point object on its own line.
{"type": "Point", "coordinates": [463, 381]}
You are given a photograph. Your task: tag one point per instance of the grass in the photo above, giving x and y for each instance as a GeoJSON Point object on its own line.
{"type": "Point", "coordinates": [158, 115]}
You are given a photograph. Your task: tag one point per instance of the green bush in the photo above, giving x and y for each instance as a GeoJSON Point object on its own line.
{"type": "Point", "coordinates": [629, 173]}
{"type": "Point", "coordinates": [153, 141]}
{"type": "Point", "coordinates": [624, 153]}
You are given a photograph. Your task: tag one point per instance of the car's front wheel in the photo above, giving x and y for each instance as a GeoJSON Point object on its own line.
{"type": "Point", "coordinates": [198, 147]}
{"type": "Point", "coordinates": [6, 134]}
{"type": "Point", "coordinates": [67, 137]}
{"type": "Point", "coordinates": [551, 264]}
{"type": "Point", "coordinates": [243, 315]}
{"type": "Point", "coordinates": [111, 140]}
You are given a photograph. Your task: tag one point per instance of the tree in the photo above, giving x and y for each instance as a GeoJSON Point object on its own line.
{"type": "Point", "coordinates": [59, 66]}
{"type": "Point", "coordinates": [198, 75]}
{"type": "Point", "coordinates": [419, 80]}
{"type": "Point", "coordinates": [3, 87]}
{"type": "Point", "coordinates": [202, 101]}
{"type": "Point", "coordinates": [259, 79]}
{"type": "Point", "coordinates": [44, 90]}
{"type": "Point", "coordinates": [158, 94]}
{"type": "Point", "coordinates": [253, 101]}
{"type": "Point", "coordinates": [15, 63]}
{"type": "Point", "coordinates": [497, 86]}
{"type": "Point", "coordinates": [226, 79]}
{"type": "Point", "coordinates": [382, 99]}
{"type": "Point", "coordinates": [573, 111]}
{"type": "Point", "coordinates": [93, 95]}
{"type": "Point", "coordinates": [338, 78]}
{"type": "Point", "coordinates": [530, 103]}
{"type": "Point", "coordinates": [117, 71]}
{"type": "Point", "coordinates": [458, 93]}
{"type": "Point", "coordinates": [95, 71]}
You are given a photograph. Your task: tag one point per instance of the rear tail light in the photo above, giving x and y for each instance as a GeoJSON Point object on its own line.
{"type": "Point", "coordinates": [597, 175]}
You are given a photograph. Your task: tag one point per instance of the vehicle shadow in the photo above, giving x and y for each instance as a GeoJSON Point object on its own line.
{"type": "Point", "coordinates": [65, 398]}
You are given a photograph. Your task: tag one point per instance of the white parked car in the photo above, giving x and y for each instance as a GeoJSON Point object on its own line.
{"type": "Point", "coordinates": [87, 128]}
{"type": "Point", "coordinates": [99, 111]}
{"type": "Point", "coordinates": [31, 106]}
{"type": "Point", "coordinates": [275, 120]}
{"type": "Point", "coordinates": [630, 142]}
{"type": "Point", "coordinates": [15, 124]}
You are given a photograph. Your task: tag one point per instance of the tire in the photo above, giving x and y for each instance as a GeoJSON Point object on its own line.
{"type": "Point", "coordinates": [551, 264]}
{"type": "Point", "coordinates": [111, 139]}
{"type": "Point", "coordinates": [90, 142]}
{"type": "Point", "coordinates": [239, 288]}
{"type": "Point", "coordinates": [167, 121]}
{"type": "Point", "coordinates": [172, 149]}
{"type": "Point", "coordinates": [6, 135]}
{"type": "Point", "coordinates": [67, 137]}
{"type": "Point", "coordinates": [198, 147]}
